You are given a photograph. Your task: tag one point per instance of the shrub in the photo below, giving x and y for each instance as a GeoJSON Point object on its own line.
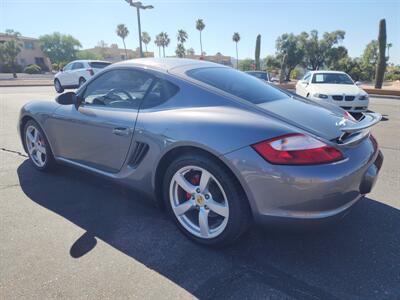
{"type": "Point", "coordinates": [33, 69]}
{"type": "Point", "coordinates": [55, 67]}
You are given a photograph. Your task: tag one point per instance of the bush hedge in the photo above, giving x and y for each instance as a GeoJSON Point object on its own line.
{"type": "Point", "coordinates": [33, 69]}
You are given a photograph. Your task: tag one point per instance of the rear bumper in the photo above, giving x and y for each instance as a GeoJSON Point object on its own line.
{"type": "Point", "coordinates": [306, 192]}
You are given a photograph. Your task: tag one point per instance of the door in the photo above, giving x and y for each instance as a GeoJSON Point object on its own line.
{"type": "Point", "coordinates": [65, 75]}
{"type": "Point", "coordinates": [77, 71]}
{"type": "Point", "coordinates": [302, 85]}
{"type": "Point", "coordinates": [99, 133]}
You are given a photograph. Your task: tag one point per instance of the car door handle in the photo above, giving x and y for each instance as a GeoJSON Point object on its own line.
{"type": "Point", "coordinates": [121, 131]}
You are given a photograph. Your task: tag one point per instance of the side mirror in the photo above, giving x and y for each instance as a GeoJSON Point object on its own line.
{"type": "Point", "coordinates": [69, 98]}
{"type": "Point", "coordinates": [358, 83]}
{"type": "Point", "coordinates": [62, 70]}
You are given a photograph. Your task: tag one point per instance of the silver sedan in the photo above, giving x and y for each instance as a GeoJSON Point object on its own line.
{"type": "Point", "coordinates": [216, 147]}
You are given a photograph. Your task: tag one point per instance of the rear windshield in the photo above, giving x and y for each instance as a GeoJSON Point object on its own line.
{"type": "Point", "coordinates": [237, 83]}
{"type": "Point", "coordinates": [332, 78]}
{"type": "Point", "coordinates": [99, 65]}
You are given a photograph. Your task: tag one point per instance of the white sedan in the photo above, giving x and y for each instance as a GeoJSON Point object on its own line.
{"type": "Point", "coordinates": [76, 73]}
{"type": "Point", "coordinates": [335, 87]}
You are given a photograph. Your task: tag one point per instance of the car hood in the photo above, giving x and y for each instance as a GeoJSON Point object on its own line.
{"type": "Point", "coordinates": [337, 89]}
{"type": "Point", "coordinates": [318, 119]}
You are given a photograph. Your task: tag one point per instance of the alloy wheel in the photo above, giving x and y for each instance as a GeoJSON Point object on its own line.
{"type": "Point", "coordinates": [36, 146]}
{"type": "Point", "coordinates": [199, 202]}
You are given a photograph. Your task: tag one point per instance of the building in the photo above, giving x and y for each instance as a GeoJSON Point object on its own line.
{"type": "Point", "coordinates": [30, 52]}
{"type": "Point", "coordinates": [115, 54]}
{"type": "Point", "coordinates": [217, 58]}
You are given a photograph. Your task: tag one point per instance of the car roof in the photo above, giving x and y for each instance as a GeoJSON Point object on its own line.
{"type": "Point", "coordinates": [327, 71]}
{"type": "Point", "coordinates": [91, 60]}
{"type": "Point", "coordinates": [167, 64]}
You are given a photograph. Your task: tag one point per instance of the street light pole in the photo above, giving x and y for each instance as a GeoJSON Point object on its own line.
{"type": "Point", "coordinates": [139, 6]}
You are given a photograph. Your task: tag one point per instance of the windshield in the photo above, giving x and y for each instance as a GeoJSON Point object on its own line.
{"type": "Point", "coordinates": [332, 78]}
{"type": "Point", "coordinates": [237, 83]}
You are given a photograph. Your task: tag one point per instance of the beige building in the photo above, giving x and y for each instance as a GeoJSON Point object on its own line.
{"type": "Point", "coordinates": [115, 54]}
{"type": "Point", "coordinates": [30, 52]}
{"type": "Point", "coordinates": [217, 58]}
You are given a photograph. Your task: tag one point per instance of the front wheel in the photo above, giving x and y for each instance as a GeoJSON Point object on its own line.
{"type": "Point", "coordinates": [205, 200]}
{"type": "Point", "coordinates": [58, 86]}
{"type": "Point", "coordinates": [38, 147]}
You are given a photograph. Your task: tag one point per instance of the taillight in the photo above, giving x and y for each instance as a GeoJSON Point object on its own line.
{"type": "Point", "coordinates": [297, 149]}
{"type": "Point", "coordinates": [90, 71]}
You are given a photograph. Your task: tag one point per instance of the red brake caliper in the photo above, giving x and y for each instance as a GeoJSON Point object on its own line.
{"type": "Point", "coordinates": [195, 180]}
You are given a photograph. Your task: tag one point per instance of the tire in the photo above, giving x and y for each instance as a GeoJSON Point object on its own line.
{"type": "Point", "coordinates": [37, 147]}
{"type": "Point", "coordinates": [81, 82]}
{"type": "Point", "coordinates": [223, 193]}
{"type": "Point", "coordinates": [58, 87]}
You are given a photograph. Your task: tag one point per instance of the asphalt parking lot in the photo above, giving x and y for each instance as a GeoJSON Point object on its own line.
{"type": "Point", "coordinates": [72, 235]}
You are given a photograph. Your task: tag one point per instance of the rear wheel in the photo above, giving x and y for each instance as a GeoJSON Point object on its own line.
{"type": "Point", "coordinates": [58, 86]}
{"type": "Point", "coordinates": [205, 200]}
{"type": "Point", "coordinates": [38, 147]}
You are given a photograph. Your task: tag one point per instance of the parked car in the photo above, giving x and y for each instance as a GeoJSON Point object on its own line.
{"type": "Point", "coordinates": [333, 87]}
{"type": "Point", "coordinates": [76, 73]}
{"type": "Point", "coordinates": [260, 75]}
{"type": "Point", "coordinates": [216, 147]}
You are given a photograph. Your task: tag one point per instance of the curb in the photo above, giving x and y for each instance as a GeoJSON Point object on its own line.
{"type": "Point", "coordinates": [26, 84]}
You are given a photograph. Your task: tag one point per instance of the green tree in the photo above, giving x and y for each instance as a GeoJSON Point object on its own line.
{"type": "Point", "coordinates": [122, 32]}
{"type": "Point", "coordinates": [158, 43]}
{"type": "Point", "coordinates": [146, 39]}
{"type": "Point", "coordinates": [59, 47]}
{"type": "Point", "coordinates": [272, 63]}
{"type": "Point", "coordinates": [164, 41]}
{"type": "Point", "coordinates": [180, 50]}
{"type": "Point", "coordinates": [246, 64]}
{"type": "Point", "coordinates": [200, 27]}
{"type": "Point", "coordinates": [317, 50]}
{"type": "Point", "coordinates": [236, 39]}
{"type": "Point", "coordinates": [10, 50]}
{"type": "Point", "coordinates": [381, 63]}
{"type": "Point", "coordinates": [84, 54]}
{"type": "Point", "coordinates": [190, 52]}
{"type": "Point", "coordinates": [290, 45]}
{"type": "Point", "coordinates": [257, 52]}
{"type": "Point", "coordinates": [333, 56]}
{"type": "Point", "coordinates": [369, 60]}
{"type": "Point", "coordinates": [182, 37]}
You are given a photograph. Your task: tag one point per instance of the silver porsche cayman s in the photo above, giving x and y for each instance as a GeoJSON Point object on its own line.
{"type": "Point", "coordinates": [216, 147]}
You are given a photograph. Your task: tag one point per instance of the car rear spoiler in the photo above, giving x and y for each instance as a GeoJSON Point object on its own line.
{"type": "Point", "coordinates": [355, 131]}
{"type": "Point", "coordinates": [366, 121]}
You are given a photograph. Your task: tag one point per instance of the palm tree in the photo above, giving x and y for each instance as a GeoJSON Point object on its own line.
{"type": "Point", "coordinates": [164, 41]}
{"type": "Point", "coordinates": [182, 36]}
{"type": "Point", "coordinates": [180, 50]}
{"type": "Point", "coordinates": [157, 41]}
{"type": "Point", "coordinates": [236, 39]}
{"type": "Point", "coordinates": [146, 39]}
{"type": "Point", "coordinates": [200, 26]}
{"type": "Point", "coordinates": [122, 32]}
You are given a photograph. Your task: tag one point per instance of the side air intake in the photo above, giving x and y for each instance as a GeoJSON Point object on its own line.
{"type": "Point", "coordinates": [139, 152]}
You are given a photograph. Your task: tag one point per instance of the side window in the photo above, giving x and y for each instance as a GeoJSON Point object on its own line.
{"type": "Point", "coordinates": [68, 67]}
{"type": "Point", "coordinates": [307, 76]}
{"type": "Point", "coordinates": [118, 88]}
{"type": "Point", "coordinates": [161, 91]}
{"type": "Point", "coordinates": [77, 65]}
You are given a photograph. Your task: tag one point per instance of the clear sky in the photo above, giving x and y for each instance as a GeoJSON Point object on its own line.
{"type": "Point", "coordinates": [93, 20]}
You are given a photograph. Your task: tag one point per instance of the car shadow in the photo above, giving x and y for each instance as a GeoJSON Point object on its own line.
{"type": "Point", "coordinates": [357, 258]}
